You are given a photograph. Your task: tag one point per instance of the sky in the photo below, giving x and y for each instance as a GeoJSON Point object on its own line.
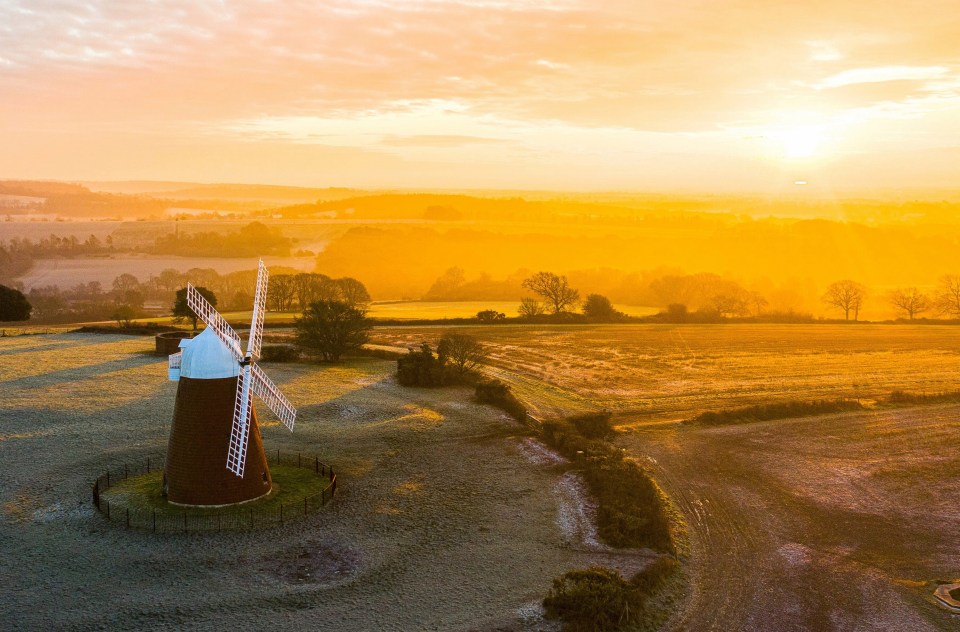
{"type": "Point", "coordinates": [686, 95]}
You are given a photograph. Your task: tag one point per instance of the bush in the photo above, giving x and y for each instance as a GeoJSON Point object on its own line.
{"type": "Point", "coordinates": [279, 353]}
{"type": "Point", "coordinates": [599, 598]}
{"type": "Point", "coordinates": [596, 598]}
{"type": "Point", "coordinates": [778, 410]}
{"type": "Point", "coordinates": [593, 426]}
{"type": "Point", "coordinates": [421, 368]}
{"type": "Point", "coordinates": [564, 437]}
{"type": "Point", "coordinates": [655, 576]}
{"type": "Point", "coordinates": [496, 393]}
{"type": "Point", "coordinates": [906, 397]}
{"type": "Point", "coordinates": [490, 316]}
{"type": "Point", "coordinates": [631, 511]}
{"type": "Point", "coordinates": [630, 506]}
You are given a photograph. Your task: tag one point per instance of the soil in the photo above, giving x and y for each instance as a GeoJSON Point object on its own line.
{"type": "Point", "coordinates": [839, 522]}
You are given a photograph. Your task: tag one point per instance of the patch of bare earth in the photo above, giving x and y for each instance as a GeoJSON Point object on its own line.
{"type": "Point", "coordinates": [839, 522]}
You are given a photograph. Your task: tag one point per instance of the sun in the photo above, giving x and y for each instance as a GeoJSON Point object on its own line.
{"type": "Point", "coordinates": [799, 142]}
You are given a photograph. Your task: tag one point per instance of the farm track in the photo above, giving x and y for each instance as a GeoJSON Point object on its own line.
{"type": "Point", "coordinates": [723, 545]}
{"type": "Point", "coordinates": [779, 548]}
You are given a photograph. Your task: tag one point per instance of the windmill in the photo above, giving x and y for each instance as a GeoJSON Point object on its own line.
{"type": "Point", "coordinates": [215, 454]}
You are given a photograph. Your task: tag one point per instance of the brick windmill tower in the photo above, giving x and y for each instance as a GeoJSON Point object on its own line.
{"type": "Point", "coordinates": [215, 454]}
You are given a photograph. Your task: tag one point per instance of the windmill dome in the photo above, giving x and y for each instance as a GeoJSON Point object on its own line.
{"type": "Point", "coordinates": [206, 358]}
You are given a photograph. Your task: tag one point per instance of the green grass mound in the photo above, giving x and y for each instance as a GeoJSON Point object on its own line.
{"type": "Point", "coordinates": [139, 501]}
{"type": "Point", "coordinates": [600, 599]}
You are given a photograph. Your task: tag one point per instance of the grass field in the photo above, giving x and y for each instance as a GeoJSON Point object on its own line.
{"type": "Point", "coordinates": [444, 518]}
{"type": "Point", "coordinates": [67, 273]}
{"type": "Point", "coordinates": [839, 521]}
{"type": "Point", "coordinates": [672, 372]}
{"type": "Point", "coordinates": [834, 522]}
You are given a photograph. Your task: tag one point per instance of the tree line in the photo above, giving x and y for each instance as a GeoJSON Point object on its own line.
{"type": "Point", "coordinates": [127, 296]}
{"type": "Point", "coordinates": [554, 296]}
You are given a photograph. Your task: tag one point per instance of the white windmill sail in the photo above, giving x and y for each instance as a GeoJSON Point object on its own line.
{"type": "Point", "coordinates": [251, 378]}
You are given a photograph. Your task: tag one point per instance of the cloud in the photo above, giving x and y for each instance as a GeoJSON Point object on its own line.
{"type": "Point", "coordinates": [882, 74]}
{"type": "Point", "coordinates": [430, 74]}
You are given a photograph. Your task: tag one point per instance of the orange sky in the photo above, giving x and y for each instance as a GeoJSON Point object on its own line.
{"type": "Point", "coordinates": [592, 94]}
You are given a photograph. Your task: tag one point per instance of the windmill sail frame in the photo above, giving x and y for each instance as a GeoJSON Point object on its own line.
{"type": "Point", "coordinates": [251, 378]}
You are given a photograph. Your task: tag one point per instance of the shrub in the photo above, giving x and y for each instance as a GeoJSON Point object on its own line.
{"type": "Point", "coordinates": [599, 598]}
{"type": "Point", "coordinates": [631, 511]}
{"type": "Point", "coordinates": [490, 316]}
{"type": "Point", "coordinates": [655, 575]}
{"type": "Point", "coordinates": [906, 397]}
{"type": "Point", "coordinates": [420, 368]}
{"type": "Point", "coordinates": [777, 410]}
{"type": "Point", "coordinates": [594, 425]}
{"type": "Point", "coordinates": [630, 507]}
{"type": "Point", "coordinates": [496, 393]}
{"type": "Point", "coordinates": [279, 353]}
{"type": "Point", "coordinates": [596, 598]}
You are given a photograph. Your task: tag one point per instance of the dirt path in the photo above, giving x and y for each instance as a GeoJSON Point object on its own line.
{"type": "Point", "coordinates": [784, 537]}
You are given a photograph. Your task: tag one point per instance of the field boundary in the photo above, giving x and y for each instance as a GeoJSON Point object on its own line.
{"type": "Point", "coordinates": [230, 518]}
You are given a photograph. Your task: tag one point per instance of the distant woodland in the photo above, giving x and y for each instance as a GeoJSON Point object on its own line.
{"type": "Point", "coordinates": [634, 249]}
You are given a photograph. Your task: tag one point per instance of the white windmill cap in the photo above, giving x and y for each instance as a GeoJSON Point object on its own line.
{"type": "Point", "coordinates": [206, 358]}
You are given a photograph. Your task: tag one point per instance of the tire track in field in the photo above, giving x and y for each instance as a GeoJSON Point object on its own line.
{"type": "Point", "coordinates": [725, 547]}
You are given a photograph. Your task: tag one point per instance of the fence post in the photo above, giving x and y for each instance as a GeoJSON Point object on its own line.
{"type": "Point", "coordinates": [316, 465]}
{"type": "Point", "coordinates": [108, 510]}
{"type": "Point", "coordinates": [184, 521]}
{"type": "Point", "coordinates": [128, 517]}
{"type": "Point", "coordinates": [251, 512]}
{"type": "Point", "coordinates": [278, 456]}
{"type": "Point", "coordinates": [219, 526]}
{"type": "Point", "coordinates": [304, 505]}
{"type": "Point", "coordinates": [108, 479]}
{"type": "Point", "coordinates": [148, 465]}
{"type": "Point", "coordinates": [154, 520]}
{"type": "Point", "coordinates": [126, 472]}
{"type": "Point", "coordinates": [298, 460]}
{"type": "Point", "coordinates": [281, 514]}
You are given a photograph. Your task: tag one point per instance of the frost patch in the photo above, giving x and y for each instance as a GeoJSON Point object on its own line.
{"type": "Point", "coordinates": [531, 614]}
{"type": "Point", "coordinates": [48, 514]}
{"type": "Point", "coordinates": [795, 554]}
{"type": "Point", "coordinates": [537, 453]}
{"type": "Point", "coordinates": [351, 411]}
{"type": "Point", "coordinates": [577, 513]}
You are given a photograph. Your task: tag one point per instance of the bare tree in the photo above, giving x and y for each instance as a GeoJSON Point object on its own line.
{"type": "Point", "coordinates": [353, 292]}
{"type": "Point", "coordinates": [734, 304]}
{"type": "Point", "coordinates": [310, 287]}
{"type": "Point", "coordinates": [464, 351]}
{"type": "Point", "coordinates": [948, 295]}
{"type": "Point", "coordinates": [530, 307]}
{"type": "Point", "coordinates": [846, 295]}
{"type": "Point", "coordinates": [910, 301]}
{"type": "Point", "coordinates": [554, 289]}
{"type": "Point", "coordinates": [758, 302]}
{"type": "Point", "coordinates": [280, 292]}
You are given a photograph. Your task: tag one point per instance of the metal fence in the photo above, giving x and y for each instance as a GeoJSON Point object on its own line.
{"type": "Point", "coordinates": [172, 519]}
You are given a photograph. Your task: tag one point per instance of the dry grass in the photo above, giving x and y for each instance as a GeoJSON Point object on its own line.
{"type": "Point", "coordinates": [433, 493]}
{"type": "Point", "coordinates": [674, 372]}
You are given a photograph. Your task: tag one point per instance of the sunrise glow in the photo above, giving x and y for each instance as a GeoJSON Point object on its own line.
{"type": "Point", "coordinates": [572, 95]}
